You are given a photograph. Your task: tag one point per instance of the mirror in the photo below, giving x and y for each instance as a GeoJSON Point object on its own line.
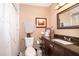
{"type": "Point", "coordinates": [69, 18]}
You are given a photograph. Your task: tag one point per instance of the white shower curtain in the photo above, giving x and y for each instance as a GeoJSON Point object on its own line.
{"type": "Point", "coordinates": [9, 30]}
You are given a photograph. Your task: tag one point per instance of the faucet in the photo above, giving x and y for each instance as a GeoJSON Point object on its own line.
{"type": "Point", "coordinates": [65, 38]}
{"type": "Point", "coordinates": [69, 39]}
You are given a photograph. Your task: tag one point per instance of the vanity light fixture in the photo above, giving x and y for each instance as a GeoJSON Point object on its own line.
{"type": "Point", "coordinates": [59, 5]}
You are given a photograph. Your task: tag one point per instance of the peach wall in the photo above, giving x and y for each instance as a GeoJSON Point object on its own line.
{"type": "Point", "coordinates": [69, 32]}
{"type": "Point", "coordinates": [31, 12]}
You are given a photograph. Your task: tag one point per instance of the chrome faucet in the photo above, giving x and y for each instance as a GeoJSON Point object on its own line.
{"type": "Point", "coordinates": [65, 38]}
{"type": "Point", "coordinates": [69, 39]}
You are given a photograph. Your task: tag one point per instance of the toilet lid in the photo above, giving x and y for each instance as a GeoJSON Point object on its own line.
{"type": "Point", "coordinates": [30, 51]}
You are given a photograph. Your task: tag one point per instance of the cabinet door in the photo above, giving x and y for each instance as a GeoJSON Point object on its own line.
{"type": "Point", "coordinates": [50, 50]}
{"type": "Point", "coordinates": [46, 47]}
{"type": "Point", "coordinates": [69, 53]}
{"type": "Point", "coordinates": [58, 50]}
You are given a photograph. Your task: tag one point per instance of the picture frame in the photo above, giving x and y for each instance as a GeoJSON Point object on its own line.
{"type": "Point", "coordinates": [41, 22]}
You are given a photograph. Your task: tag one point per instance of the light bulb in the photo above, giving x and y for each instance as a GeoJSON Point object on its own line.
{"type": "Point", "coordinates": [37, 42]}
{"type": "Point", "coordinates": [61, 4]}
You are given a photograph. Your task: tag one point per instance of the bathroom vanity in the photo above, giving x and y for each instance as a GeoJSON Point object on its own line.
{"type": "Point", "coordinates": [54, 47]}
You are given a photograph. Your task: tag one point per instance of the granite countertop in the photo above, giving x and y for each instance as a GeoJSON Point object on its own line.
{"type": "Point", "coordinates": [71, 47]}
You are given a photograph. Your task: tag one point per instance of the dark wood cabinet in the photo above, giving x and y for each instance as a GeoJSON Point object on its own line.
{"type": "Point", "coordinates": [69, 53]}
{"type": "Point", "coordinates": [54, 49]}
{"type": "Point", "coordinates": [58, 50]}
{"type": "Point", "coordinates": [49, 49]}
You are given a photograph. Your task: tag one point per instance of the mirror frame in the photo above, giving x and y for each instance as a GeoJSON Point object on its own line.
{"type": "Point", "coordinates": [58, 20]}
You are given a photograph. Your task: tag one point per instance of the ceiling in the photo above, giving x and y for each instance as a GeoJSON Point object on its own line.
{"type": "Point", "coordinates": [40, 4]}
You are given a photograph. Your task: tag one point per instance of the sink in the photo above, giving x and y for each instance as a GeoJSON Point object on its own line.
{"type": "Point", "coordinates": [62, 41]}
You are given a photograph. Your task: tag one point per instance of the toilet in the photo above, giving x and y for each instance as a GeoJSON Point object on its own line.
{"type": "Point", "coordinates": [30, 51]}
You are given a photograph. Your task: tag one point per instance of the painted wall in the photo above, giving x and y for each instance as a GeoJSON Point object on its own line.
{"type": "Point", "coordinates": [31, 12]}
{"type": "Point", "coordinates": [69, 32]}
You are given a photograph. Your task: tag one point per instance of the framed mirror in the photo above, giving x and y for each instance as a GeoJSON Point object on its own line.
{"type": "Point", "coordinates": [68, 18]}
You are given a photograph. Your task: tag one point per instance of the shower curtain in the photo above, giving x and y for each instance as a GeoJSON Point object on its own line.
{"type": "Point", "coordinates": [9, 29]}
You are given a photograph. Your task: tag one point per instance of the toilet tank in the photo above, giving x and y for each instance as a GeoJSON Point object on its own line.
{"type": "Point", "coordinates": [29, 41]}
